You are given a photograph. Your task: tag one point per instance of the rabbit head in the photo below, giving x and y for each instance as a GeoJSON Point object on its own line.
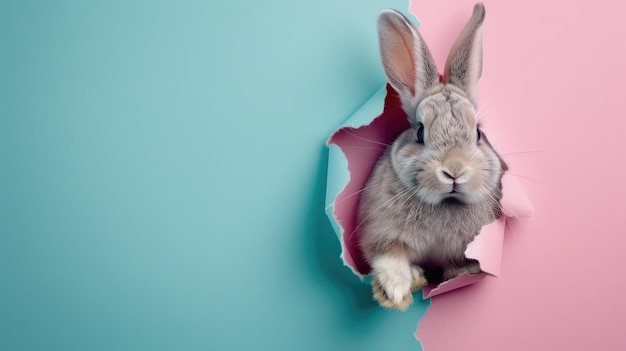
{"type": "Point", "coordinates": [444, 155]}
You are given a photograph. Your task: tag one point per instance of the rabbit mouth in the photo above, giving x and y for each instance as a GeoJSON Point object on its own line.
{"type": "Point", "coordinates": [455, 189]}
{"type": "Point", "coordinates": [452, 201]}
{"type": "Point", "coordinates": [453, 196]}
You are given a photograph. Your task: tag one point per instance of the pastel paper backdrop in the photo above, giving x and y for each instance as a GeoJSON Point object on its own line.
{"type": "Point", "coordinates": [162, 173]}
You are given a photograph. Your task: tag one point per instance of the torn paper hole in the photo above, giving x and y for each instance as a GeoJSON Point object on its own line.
{"type": "Point", "coordinates": [354, 149]}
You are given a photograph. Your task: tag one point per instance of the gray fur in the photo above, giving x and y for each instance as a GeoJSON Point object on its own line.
{"type": "Point", "coordinates": [423, 204]}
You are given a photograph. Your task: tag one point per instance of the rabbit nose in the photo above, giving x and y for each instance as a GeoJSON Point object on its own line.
{"type": "Point", "coordinates": [450, 175]}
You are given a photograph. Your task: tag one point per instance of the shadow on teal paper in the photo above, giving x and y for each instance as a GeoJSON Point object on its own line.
{"type": "Point", "coordinates": [162, 176]}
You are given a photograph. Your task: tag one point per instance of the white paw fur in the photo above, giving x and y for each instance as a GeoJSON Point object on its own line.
{"type": "Point", "coordinates": [395, 276]}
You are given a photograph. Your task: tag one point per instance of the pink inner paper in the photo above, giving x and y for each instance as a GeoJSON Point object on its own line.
{"type": "Point", "coordinates": [362, 147]}
{"type": "Point", "coordinates": [452, 284]}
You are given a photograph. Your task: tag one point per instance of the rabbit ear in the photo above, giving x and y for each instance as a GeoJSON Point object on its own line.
{"type": "Point", "coordinates": [465, 61]}
{"type": "Point", "coordinates": [408, 64]}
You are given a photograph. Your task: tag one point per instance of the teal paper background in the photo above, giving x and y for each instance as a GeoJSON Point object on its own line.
{"type": "Point", "coordinates": [163, 171]}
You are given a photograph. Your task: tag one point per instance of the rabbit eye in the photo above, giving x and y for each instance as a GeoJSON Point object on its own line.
{"type": "Point", "coordinates": [420, 134]}
{"type": "Point", "coordinates": [479, 135]}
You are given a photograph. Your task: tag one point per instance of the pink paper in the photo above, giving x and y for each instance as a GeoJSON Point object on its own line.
{"type": "Point", "coordinates": [553, 93]}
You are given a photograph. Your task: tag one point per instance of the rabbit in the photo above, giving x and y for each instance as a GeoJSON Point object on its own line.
{"type": "Point", "coordinates": [440, 181]}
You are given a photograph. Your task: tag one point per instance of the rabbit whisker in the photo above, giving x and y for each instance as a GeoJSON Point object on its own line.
{"type": "Point", "coordinates": [361, 147]}
{"type": "Point", "coordinates": [388, 202]}
{"type": "Point", "coordinates": [411, 210]}
{"type": "Point", "coordinates": [530, 152]}
{"type": "Point", "coordinates": [509, 227]}
{"type": "Point", "coordinates": [548, 187]}
{"type": "Point", "coordinates": [365, 139]}
{"type": "Point", "coordinates": [353, 194]}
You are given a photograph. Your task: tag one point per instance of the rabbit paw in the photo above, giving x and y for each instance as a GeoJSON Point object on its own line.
{"type": "Point", "coordinates": [419, 281]}
{"type": "Point", "coordinates": [471, 267]}
{"type": "Point", "coordinates": [394, 293]}
{"type": "Point", "coordinates": [384, 300]}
